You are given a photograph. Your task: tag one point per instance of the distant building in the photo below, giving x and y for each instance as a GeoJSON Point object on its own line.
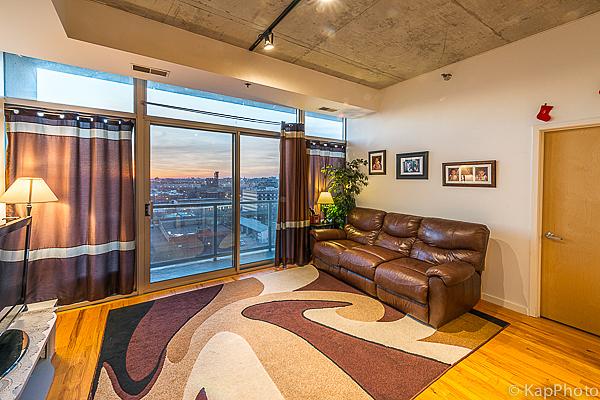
{"type": "Point", "coordinates": [214, 181]}
{"type": "Point", "coordinates": [258, 196]}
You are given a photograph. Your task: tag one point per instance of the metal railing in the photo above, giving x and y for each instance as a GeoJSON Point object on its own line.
{"type": "Point", "coordinates": [213, 206]}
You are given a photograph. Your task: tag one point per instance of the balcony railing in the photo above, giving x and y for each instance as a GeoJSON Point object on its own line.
{"type": "Point", "coordinates": [202, 231]}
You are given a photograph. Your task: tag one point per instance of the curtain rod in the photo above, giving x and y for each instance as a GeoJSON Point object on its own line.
{"type": "Point", "coordinates": [53, 111]}
{"type": "Point", "coordinates": [214, 114]}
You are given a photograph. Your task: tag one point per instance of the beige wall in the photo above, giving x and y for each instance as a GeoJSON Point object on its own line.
{"type": "Point", "coordinates": [487, 111]}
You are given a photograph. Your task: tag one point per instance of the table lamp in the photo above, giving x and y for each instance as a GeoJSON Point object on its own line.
{"type": "Point", "coordinates": [14, 342]}
{"type": "Point", "coordinates": [325, 199]}
{"type": "Point", "coordinates": [28, 191]}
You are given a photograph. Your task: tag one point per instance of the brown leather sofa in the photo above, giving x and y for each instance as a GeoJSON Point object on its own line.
{"type": "Point", "coordinates": [429, 268]}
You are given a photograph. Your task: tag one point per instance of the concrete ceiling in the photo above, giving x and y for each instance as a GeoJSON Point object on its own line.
{"type": "Point", "coordinates": [372, 42]}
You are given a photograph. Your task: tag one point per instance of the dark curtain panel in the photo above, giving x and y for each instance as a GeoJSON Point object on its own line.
{"type": "Point", "coordinates": [291, 245]}
{"type": "Point", "coordinates": [321, 154]}
{"type": "Point", "coordinates": [83, 246]}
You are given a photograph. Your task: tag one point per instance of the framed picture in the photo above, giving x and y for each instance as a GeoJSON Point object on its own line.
{"type": "Point", "coordinates": [469, 173]}
{"type": "Point", "coordinates": [377, 162]}
{"type": "Point", "coordinates": [412, 165]}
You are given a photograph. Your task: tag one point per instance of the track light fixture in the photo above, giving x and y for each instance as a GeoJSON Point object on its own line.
{"type": "Point", "coordinates": [268, 37]}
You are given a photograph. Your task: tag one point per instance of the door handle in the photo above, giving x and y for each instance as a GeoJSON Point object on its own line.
{"type": "Point", "coordinates": [552, 236]}
{"type": "Point", "coordinates": [149, 209]}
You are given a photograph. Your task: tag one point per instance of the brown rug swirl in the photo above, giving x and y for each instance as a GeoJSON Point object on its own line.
{"type": "Point", "coordinates": [292, 334]}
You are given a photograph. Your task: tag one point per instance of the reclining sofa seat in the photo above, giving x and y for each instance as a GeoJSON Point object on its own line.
{"type": "Point", "coordinates": [429, 268]}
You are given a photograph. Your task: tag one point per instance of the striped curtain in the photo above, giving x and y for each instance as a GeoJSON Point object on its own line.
{"type": "Point", "coordinates": [293, 220]}
{"type": "Point", "coordinates": [321, 154]}
{"type": "Point", "coordinates": [83, 246]}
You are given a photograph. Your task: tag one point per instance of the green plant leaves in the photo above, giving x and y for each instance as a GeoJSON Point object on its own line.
{"type": "Point", "coordinates": [345, 183]}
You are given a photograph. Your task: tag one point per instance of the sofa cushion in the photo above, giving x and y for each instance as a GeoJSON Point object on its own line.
{"type": "Point", "coordinates": [406, 277]}
{"type": "Point", "coordinates": [366, 219]}
{"type": "Point", "coordinates": [327, 234]}
{"type": "Point", "coordinates": [399, 232]}
{"type": "Point", "coordinates": [441, 241]}
{"type": "Point", "coordinates": [452, 273]}
{"type": "Point", "coordinates": [331, 250]}
{"type": "Point", "coordinates": [364, 225]}
{"type": "Point", "coordinates": [364, 259]}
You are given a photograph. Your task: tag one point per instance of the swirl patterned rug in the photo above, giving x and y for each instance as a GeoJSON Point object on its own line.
{"type": "Point", "coordinates": [292, 334]}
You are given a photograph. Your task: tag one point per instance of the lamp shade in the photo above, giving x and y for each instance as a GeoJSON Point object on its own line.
{"type": "Point", "coordinates": [28, 190]}
{"type": "Point", "coordinates": [325, 198]}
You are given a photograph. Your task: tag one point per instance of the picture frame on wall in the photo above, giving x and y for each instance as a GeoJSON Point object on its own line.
{"type": "Point", "coordinates": [412, 165]}
{"type": "Point", "coordinates": [377, 162]}
{"type": "Point", "coordinates": [469, 174]}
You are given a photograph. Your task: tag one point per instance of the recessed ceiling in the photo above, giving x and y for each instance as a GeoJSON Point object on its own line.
{"type": "Point", "coordinates": [372, 42]}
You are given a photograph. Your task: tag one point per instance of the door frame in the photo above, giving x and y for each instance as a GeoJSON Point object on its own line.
{"type": "Point", "coordinates": [537, 175]}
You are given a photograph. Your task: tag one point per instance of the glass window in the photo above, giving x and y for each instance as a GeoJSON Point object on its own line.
{"type": "Point", "coordinates": [325, 126]}
{"type": "Point", "coordinates": [33, 79]}
{"type": "Point", "coordinates": [161, 93]}
{"type": "Point", "coordinates": [191, 189]}
{"type": "Point", "coordinates": [259, 186]}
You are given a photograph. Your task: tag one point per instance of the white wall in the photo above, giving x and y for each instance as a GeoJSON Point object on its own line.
{"type": "Point", "coordinates": [487, 111]}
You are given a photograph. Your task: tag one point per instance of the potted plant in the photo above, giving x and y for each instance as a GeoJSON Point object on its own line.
{"type": "Point", "coordinates": [345, 183]}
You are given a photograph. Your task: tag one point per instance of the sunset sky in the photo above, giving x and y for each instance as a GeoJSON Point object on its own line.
{"type": "Point", "coordinates": [179, 153]}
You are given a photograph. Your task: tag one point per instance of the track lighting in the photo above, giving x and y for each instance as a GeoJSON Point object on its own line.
{"type": "Point", "coordinates": [269, 41]}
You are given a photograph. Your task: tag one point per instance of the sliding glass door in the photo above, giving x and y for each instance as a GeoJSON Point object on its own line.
{"type": "Point", "coordinates": [192, 220]}
{"type": "Point", "coordinates": [213, 201]}
{"type": "Point", "coordinates": [259, 189]}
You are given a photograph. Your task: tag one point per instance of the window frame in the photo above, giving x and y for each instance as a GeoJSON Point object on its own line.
{"type": "Point", "coordinates": [141, 149]}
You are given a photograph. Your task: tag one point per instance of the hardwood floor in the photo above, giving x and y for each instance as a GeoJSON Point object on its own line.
{"type": "Point", "coordinates": [531, 351]}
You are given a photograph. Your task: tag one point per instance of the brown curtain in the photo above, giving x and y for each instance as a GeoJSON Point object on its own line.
{"type": "Point", "coordinates": [293, 221]}
{"type": "Point", "coordinates": [321, 154]}
{"type": "Point", "coordinates": [83, 246]}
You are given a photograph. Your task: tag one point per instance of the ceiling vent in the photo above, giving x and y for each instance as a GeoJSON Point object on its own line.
{"type": "Point", "coordinates": [327, 109]}
{"type": "Point", "coordinates": [149, 70]}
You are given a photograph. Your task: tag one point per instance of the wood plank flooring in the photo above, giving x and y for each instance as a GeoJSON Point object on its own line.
{"type": "Point", "coordinates": [531, 351]}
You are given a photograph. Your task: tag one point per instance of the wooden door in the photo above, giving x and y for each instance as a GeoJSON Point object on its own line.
{"type": "Point", "coordinates": [571, 228]}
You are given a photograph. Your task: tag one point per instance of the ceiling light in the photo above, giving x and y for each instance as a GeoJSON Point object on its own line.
{"type": "Point", "coordinates": [269, 42]}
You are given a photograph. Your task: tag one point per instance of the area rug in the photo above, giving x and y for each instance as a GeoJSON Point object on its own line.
{"type": "Point", "coordinates": [292, 334]}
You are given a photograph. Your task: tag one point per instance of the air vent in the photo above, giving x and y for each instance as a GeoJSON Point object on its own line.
{"type": "Point", "coordinates": [149, 70]}
{"type": "Point", "coordinates": [327, 109]}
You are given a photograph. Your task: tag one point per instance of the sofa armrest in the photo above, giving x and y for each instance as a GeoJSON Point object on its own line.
{"type": "Point", "coordinates": [327, 234]}
{"type": "Point", "coordinates": [452, 273]}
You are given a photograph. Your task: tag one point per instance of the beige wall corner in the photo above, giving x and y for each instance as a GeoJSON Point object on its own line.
{"type": "Point", "coordinates": [486, 111]}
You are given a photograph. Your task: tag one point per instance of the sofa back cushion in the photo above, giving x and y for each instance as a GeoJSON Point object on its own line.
{"type": "Point", "coordinates": [364, 224]}
{"type": "Point", "coordinates": [440, 241]}
{"type": "Point", "coordinates": [399, 232]}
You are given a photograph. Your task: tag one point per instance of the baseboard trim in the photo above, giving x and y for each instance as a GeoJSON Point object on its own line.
{"type": "Point", "coordinates": [505, 303]}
